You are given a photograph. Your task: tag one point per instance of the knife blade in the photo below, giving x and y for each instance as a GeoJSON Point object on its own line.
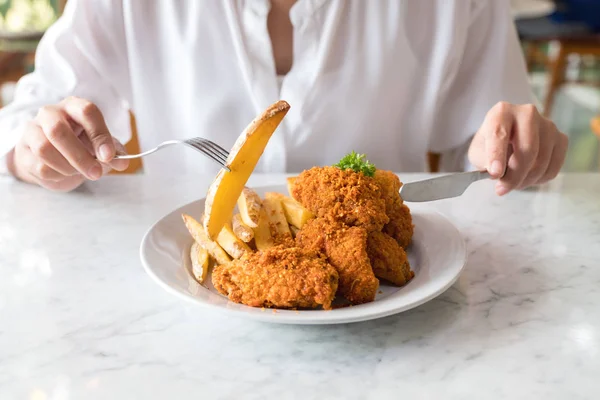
{"type": "Point", "coordinates": [443, 187]}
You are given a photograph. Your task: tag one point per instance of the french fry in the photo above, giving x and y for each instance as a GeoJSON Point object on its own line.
{"type": "Point", "coordinates": [199, 257]}
{"type": "Point", "coordinates": [262, 233]}
{"type": "Point", "coordinates": [295, 213]}
{"type": "Point", "coordinates": [230, 243]}
{"type": "Point", "coordinates": [225, 190]}
{"type": "Point", "coordinates": [274, 209]}
{"type": "Point", "coordinates": [249, 206]}
{"type": "Point", "coordinates": [199, 234]}
{"type": "Point", "coordinates": [241, 230]}
{"type": "Point", "coordinates": [290, 184]}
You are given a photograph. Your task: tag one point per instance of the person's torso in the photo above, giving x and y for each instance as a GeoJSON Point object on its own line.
{"type": "Point", "coordinates": [364, 77]}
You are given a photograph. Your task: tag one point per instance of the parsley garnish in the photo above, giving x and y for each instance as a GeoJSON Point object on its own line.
{"type": "Point", "coordinates": [357, 163]}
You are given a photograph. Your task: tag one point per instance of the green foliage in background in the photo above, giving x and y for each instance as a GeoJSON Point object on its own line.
{"type": "Point", "coordinates": [582, 153]}
{"type": "Point", "coordinates": [27, 15]}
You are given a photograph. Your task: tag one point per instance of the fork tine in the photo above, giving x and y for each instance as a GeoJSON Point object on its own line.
{"type": "Point", "coordinates": [209, 152]}
{"type": "Point", "coordinates": [202, 144]}
{"type": "Point", "coordinates": [215, 158]}
{"type": "Point", "coordinates": [216, 147]}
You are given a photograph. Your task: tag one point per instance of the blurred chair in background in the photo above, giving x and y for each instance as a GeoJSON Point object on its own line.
{"type": "Point", "coordinates": [595, 125]}
{"type": "Point", "coordinates": [574, 28]}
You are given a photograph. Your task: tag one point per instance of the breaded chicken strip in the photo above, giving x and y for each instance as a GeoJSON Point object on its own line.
{"type": "Point", "coordinates": [388, 259]}
{"type": "Point", "coordinates": [346, 249]}
{"type": "Point", "coordinates": [400, 226]}
{"type": "Point", "coordinates": [278, 277]}
{"type": "Point", "coordinates": [345, 196]}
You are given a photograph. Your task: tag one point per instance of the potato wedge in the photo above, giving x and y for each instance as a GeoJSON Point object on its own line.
{"type": "Point", "coordinates": [249, 206]}
{"type": "Point", "coordinates": [274, 209]}
{"type": "Point", "coordinates": [199, 257]}
{"type": "Point", "coordinates": [199, 234]}
{"type": "Point", "coordinates": [230, 243]}
{"type": "Point", "coordinates": [290, 184]}
{"type": "Point", "coordinates": [262, 233]}
{"type": "Point", "coordinates": [294, 231]}
{"type": "Point", "coordinates": [295, 213]}
{"type": "Point", "coordinates": [241, 230]}
{"type": "Point", "coordinates": [225, 190]}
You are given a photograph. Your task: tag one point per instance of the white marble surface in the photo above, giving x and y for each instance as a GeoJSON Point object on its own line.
{"type": "Point", "coordinates": [79, 319]}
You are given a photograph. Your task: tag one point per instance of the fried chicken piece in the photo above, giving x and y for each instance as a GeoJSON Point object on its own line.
{"type": "Point", "coordinates": [283, 240]}
{"type": "Point", "coordinates": [346, 249]}
{"type": "Point", "coordinates": [278, 277]}
{"type": "Point", "coordinates": [390, 187]}
{"type": "Point", "coordinates": [388, 259]}
{"type": "Point", "coordinates": [343, 195]}
{"type": "Point", "coordinates": [400, 226]}
{"type": "Point", "coordinates": [312, 235]}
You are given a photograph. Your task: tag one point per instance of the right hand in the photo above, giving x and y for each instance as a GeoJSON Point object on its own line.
{"type": "Point", "coordinates": [64, 145]}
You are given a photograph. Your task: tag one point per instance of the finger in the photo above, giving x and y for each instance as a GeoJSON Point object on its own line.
{"type": "Point", "coordinates": [44, 172]}
{"type": "Point", "coordinates": [557, 159]}
{"type": "Point", "coordinates": [118, 164]}
{"type": "Point", "coordinates": [57, 129]}
{"type": "Point", "coordinates": [65, 185]}
{"type": "Point", "coordinates": [44, 150]}
{"type": "Point", "coordinates": [87, 143]}
{"type": "Point", "coordinates": [525, 146]}
{"type": "Point", "coordinates": [36, 169]}
{"type": "Point", "coordinates": [549, 136]}
{"type": "Point", "coordinates": [88, 116]}
{"type": "Point", "coordinates": [25, 163]}
{"type": "Point", "coordinates": [497, 128]}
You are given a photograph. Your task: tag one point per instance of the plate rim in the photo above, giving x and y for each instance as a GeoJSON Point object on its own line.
{"type": "Point", "coordinates": [338, 316]}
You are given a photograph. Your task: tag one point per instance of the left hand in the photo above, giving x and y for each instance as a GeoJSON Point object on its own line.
{"type": "Point", "coordinates": [518, 146]}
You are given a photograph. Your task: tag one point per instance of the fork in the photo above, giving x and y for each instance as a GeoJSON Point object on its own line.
{"type": "Point", "coordinates": [205, 146]}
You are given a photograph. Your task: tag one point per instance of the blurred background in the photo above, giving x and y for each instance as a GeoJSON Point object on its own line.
{"type": "Point", "coordinates": [560, 40]}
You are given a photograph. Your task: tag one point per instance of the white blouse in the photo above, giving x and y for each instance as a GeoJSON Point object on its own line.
{"type": "Point", "coordinates": [390, 78]}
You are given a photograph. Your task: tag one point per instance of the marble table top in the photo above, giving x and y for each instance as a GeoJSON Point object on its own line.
{"type": "Point", "coordinates": [79, 318]}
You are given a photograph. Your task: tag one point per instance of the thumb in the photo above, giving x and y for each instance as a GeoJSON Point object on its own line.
{"type": "Point", "coordinates": [496, 132]}
{"type": "Point", "coordinates": [119, 164]}
{"type": "Point", "coordinates": [87, 115]}
{"type": "Point", "coordinates": [496, 148]}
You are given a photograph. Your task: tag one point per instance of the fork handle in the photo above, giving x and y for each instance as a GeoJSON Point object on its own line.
{"type": "Point", "coordinates": [125, 156]}
{"type": "Point", "coordinates": [132, 156]}
{"type": "Point", "coordinates": [128, 156]}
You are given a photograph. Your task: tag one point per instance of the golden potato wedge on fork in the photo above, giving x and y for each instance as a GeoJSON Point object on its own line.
{"type": "Point", "coordinates": [225, 190]}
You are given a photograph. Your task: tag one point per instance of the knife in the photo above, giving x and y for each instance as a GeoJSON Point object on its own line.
{"type": "Point", "coordinates": [443, 187]}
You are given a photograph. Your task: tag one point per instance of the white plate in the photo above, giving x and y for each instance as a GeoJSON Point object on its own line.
{"type": "Point", "coordinates": [437, 256]}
